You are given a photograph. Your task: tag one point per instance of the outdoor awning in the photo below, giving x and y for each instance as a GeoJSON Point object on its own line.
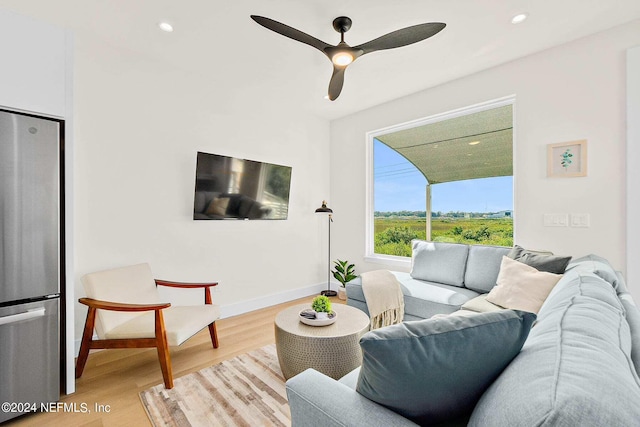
{"type": "Point", "coordinates": [478, 145]}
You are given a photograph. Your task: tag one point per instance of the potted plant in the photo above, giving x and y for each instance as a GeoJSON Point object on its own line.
{"type": "Point", "coordinates": [344, 272]}
{"type": "Point", "coordinates": [322, 306]}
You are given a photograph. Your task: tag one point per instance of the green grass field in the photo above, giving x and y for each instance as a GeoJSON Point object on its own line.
{"type": "Point", "coordinates": [393, 235]}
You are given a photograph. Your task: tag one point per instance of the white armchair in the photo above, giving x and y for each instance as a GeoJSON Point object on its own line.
{"type": "Point", "coordinates": [126, 312]}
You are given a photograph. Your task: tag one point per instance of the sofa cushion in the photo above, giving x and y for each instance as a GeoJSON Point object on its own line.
{"type": "Point", "coordinates": [480, 304]}
{"type": "Point", "coordinates": [483, 266]}
{"type": "Point", "coordinates": [632, 314]}
{"type": "Point", "coordinates": [435, 370]}
{"type": "Point", "coordinates": [421, 299]}
{"type": "Point", "coordinates": [351, 379]}
{"type": "Point", "coordinates": [596, 265]}
{"type": "Point", "coordinates": [540, 260]}
{"type": "Point", "coordinates": [521, 287]}
{"type": "Point", "coordinates": [575, 368]}
{"type": "Point", "coordinates": [245, 206]}
{"type": "Point", "coordinates": [439, 262]}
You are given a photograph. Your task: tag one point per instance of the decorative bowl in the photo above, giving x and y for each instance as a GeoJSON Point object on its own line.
{"type": "Point", "coordinates": [305, 317]}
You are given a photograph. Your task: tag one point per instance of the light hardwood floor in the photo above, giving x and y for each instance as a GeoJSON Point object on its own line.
{"type": "Point", "coordinates": [115, 377]}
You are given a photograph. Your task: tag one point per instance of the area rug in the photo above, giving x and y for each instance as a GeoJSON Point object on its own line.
{"type": "Point", "coordinates": [247, 390]}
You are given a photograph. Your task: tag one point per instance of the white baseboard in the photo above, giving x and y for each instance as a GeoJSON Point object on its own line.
{"type": "Point", "coordinates": [269, 300]}
{"type": "Point", "coordinates": [242, 307]}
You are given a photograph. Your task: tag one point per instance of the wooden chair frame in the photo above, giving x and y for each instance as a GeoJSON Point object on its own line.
{"type": "Point", "coordinates": [160, 339]}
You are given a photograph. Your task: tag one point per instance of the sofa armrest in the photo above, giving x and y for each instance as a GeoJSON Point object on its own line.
{"type": "Point", "coordinates": [318, 400]}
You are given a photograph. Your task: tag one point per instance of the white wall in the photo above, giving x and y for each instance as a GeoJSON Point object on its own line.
{"type": "Point", "coordinates": [139, 125]}
{"type": "Point", "coordinates": [575, 91]}
{"type": "Point", "coordinates": [33, 71]}
{"type": "Point", "coordinates": [36, 77]}
{"type": "Point", "coordinates": [633, 158]}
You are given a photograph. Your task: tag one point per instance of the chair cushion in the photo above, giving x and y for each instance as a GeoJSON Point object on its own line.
{"type": "Point", "coordinates": [439, 262]}
{"type": "Point", "coordinates": [132, 284]}
{"type": "Point", "coordinates": [181, 323]}
{"type": "Point", "coordinates": [436, 370]}
{"type": "Point", "coordinates": [483, 266]}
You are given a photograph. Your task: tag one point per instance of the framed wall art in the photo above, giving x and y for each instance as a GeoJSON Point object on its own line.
{"type": "Point", "coordinates": [567, 159]}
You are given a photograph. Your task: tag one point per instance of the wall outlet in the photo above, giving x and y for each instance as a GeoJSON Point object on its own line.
{"type": "Point", "coordinates": [580, 220]}
{"type": "Point", "coordinates": [556, 220]}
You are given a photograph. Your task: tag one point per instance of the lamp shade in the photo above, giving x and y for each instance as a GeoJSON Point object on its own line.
{"type": "Point", "coordinates": [324, 208]}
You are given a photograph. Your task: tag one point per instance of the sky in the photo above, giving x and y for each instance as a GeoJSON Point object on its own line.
{"type": "Point", "coordinates": [400, 186]}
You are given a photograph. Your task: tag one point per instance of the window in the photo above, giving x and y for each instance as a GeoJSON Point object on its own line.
{"type": "Point", "coordinates": [447, 178]}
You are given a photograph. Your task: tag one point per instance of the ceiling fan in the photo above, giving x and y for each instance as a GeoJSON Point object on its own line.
{"type": "Point", "coordinates": [341, 55]}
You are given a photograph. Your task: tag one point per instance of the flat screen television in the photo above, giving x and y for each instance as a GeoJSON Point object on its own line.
{"type": "Point", "coordinates": [231, 188]}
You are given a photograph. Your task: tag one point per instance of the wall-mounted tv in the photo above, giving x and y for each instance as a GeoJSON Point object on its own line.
{"type": "Point", "coordinates": [231, 188]}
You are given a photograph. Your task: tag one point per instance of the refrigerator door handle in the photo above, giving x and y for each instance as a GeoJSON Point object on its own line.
{"type": "Point", "coordinates": [29, 314]}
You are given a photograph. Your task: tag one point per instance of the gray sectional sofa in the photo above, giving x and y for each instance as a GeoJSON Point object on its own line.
{"type": "Point", "coordinates": [578, 366]}
{"type": "Point", "coordinates": [443, 277]}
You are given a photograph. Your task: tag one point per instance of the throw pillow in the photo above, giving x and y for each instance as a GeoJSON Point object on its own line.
{"type": "Point", "coordinates": [521, 287]}
{"type": "Point", "coordinates": [435, 370]}
{"type": "Point", "coordinates": [218, 206]}
{"type": "Point", "coordinates": [439, 262]}
{"type": "Point", "coordinates": [516, 251]}
{"type": "Point", "coordinates": [540, 260]}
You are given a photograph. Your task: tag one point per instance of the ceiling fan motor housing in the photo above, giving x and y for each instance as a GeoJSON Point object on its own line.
{"type": "Point", "coordinates": [342, 24]}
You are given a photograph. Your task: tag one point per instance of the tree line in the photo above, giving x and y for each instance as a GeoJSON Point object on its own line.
{"type": "Point", "coordinates": [423, 214]}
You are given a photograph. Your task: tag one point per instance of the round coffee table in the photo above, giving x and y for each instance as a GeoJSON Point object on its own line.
{"type": "Point", "coordinates": [333, 350]}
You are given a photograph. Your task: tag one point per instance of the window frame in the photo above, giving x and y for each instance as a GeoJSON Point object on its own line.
{"type": "Point", "coordinates": [399, 261]}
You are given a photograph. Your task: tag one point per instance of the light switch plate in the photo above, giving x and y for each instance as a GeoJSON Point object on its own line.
{"type": "Point", "coordinates": [580, 220]}
{"type": "Point", "coordinates": [556, 220]}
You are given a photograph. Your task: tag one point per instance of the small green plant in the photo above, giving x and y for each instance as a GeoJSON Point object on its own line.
{"type": "Point", "coordinates": [566, 158]}
{"type": "Point", "coordinates": [344, 271]}
{"type": "Point", "coordinates": [321, 304]}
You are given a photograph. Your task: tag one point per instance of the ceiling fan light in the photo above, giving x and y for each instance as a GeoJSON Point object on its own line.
{"type": "Point", "coordinates": [342, 59]}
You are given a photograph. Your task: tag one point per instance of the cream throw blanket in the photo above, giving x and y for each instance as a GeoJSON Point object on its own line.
{"type": "Point", "coordinates": [384, 298]}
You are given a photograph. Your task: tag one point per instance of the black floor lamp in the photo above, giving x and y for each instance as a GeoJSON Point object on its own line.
{"type": "Point", "coordinates": [325, 209]}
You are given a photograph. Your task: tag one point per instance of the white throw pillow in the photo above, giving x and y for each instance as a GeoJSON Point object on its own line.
{"type": "Point", "coordinates": [218, 206]}
{"type": "Point", "coordinates": [521, 287]}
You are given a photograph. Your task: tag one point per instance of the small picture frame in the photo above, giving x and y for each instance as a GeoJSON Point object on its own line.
{"type": "Point", "coordinates": [567, 159]}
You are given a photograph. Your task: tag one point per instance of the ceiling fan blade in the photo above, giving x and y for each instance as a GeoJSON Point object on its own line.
{"type": "Point", "coordinates": [337, 80]}
{"type": "Point", "coordinates": [290, 32]}
{"type": "Point", "coordinates": [403, 37]}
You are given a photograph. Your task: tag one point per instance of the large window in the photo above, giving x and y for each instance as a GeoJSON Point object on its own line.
{"type": "Point", "coordinates": [447, 179]}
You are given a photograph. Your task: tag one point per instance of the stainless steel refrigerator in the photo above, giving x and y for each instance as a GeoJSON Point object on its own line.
{"type": "Point", "coordinates": [30, 262]}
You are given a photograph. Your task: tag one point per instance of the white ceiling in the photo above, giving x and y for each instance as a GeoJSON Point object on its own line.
{"type": "Point", "coordinates": [218, 39]}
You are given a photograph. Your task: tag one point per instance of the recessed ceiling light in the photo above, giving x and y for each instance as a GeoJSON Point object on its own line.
{"type": "Point", "coordinates": [474, 143]}
{"type": "Point", "coordinates": [519, 18]}
{"type": "Point", "coordinates": [165, 26]}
